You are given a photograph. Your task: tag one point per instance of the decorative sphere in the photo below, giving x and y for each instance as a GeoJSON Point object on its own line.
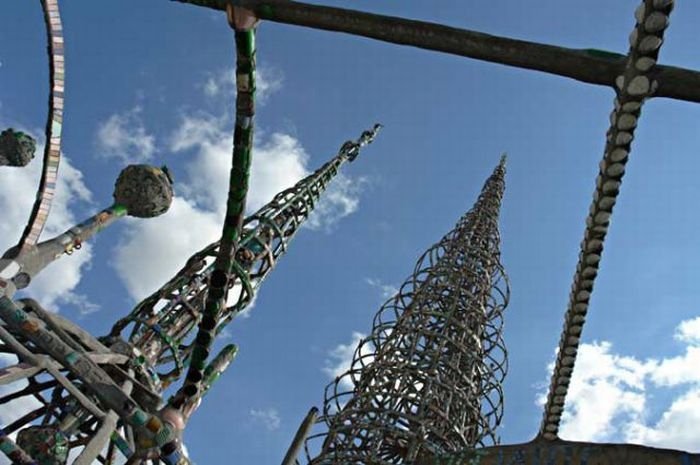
{"type": "Point", "coordinates": [45, 444]}
{"type": "Point", "coordinates": [16, 148]}
{"type": "Point", "coordinates": [144, 190]}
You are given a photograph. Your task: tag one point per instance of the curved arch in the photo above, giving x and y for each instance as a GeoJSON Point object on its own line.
{"type": "Point", "coordinates": [52, 148]}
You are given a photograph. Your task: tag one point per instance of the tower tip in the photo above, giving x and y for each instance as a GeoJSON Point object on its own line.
{"type": "Point", "coordinates": [504, 157]}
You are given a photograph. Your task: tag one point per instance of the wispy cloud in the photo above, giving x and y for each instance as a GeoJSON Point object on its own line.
{"type": "Point", "coordinates": [610, 395]}
{"type": "Point", "coordinates": [340, 200]}
{"type": "Point", "coordinates": [81, 303]}
{"type": "Point", "coordinates": [387, 291]}
{"type": "Point", "coordinates": [152, 251]}
{"type": "Point", "coordinates": [269, 418]}
{"type": "Point", "coordinates": [340, 357]}
{"type": "Point", "coordinates": [124, 136]}
{"type": "Point", "coordinates": [222, 83]}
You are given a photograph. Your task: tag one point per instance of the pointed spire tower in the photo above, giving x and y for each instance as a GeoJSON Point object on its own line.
{"type": "Point", "coordinates": [83, 409]}
{"type": "Point", "coordinates": [427, 380]}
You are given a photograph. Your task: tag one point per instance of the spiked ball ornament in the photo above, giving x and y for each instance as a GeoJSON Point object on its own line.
{"type": "Point", "coordinates": [144, 190]}
{"type": "Point", "coordinates": [16, 148]}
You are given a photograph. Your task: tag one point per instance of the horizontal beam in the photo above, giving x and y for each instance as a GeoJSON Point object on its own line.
{"type": "Point", "coordinates": [585, 65]}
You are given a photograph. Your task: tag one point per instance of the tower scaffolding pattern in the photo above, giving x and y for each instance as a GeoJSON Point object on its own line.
{"type": "Point", "coordinates": [163, 321]}
{"type": "Point", "coordinates": [103, 395]}
{"type": "Point", "coordinates": [427, 380]}
{"type": "Point", "coordinates": [71, 415]}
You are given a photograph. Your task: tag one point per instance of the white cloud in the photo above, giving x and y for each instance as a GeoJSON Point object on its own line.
{"type": "Point", "coordinates": [81, 303]}
{"type": "Point", "coordinates": [689, 331]}
{"type": "Point", "coordinates": [278, 163]}
{"type": "Point", "coordinates": [340, 357]}
{"type": "Point", "coordinates": [269, 418]}
{"type": "Point", "coordinates": [223, 83]}
{"type": "Point", "coordinates": [387, 291]}
{"type": "Point", "coordinates": [124, 136]}
{"type": "Point", "coordinates": [153, 250]}
{"type": "Point", "coordinates": [677, 428]}
{"type": "Point", "coordinates": [610, 396]}
{"type": "Point", "coordinates": [340, 200]}
{"type": "Point", "coordinates": [679, 370]}
{"type": "Point", "coordinates": [17, 193]}
{"type": "Point", "coordinates": [613, 384]}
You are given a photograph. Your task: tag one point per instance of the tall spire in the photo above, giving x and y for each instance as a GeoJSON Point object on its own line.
{"type": "Point", "coordinates": [126, 378]}
{"type": "Point", "coordinates": [427, 380]}
{"type": "Point", "coordinates": [164, 322]}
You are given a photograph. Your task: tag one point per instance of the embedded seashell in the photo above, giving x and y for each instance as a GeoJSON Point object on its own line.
{"type": "Point", "coordinates": [650, 44]}
{"type": "Point", "coordinates": [644, 64]}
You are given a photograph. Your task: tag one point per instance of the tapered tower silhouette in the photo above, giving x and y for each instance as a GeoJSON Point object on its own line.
{"type": "Point", "coordinates": [427, 380]}
{"type": "Point", "coordinates": [163, 323]}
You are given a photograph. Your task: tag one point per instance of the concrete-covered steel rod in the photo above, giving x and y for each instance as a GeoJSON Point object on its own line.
{"type": "Point", "coordinates": [634, 86]}
{"type": "Point", "coordinates": [96, 379]}
{"type": "Point", "coordinates": [218, 284]}
{"type": "Point", "coordinates": [52, 148]}
{"type": "Point", "coordinates": [298, 442]}
{"type": "Point", "coordinates": [585, 65]}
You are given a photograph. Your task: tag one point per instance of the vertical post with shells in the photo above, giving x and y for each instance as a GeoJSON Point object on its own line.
{"type": "Point", "coordinates": [633, 87]}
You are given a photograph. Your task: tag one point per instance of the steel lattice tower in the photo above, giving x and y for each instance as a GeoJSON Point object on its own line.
{"type": "Point", "coordinates": [425, 383]}
{"type": "Point", "coordinates": [95, 397]}
{"type": "Point", "coordinates": [138, 368]}
{"type": "Point", "coordinates": [428, 377]}
{"type": "Point", "coordinates": [164, 321]}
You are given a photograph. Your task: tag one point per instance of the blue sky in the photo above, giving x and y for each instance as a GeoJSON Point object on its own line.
{"type": "Point", "coordinates": [150, 81]}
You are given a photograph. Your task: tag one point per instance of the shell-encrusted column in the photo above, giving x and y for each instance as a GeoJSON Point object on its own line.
{"type": "Point", "coordinates": [634, 86]}
{"type": "Point", "coordinates": [54, 126]}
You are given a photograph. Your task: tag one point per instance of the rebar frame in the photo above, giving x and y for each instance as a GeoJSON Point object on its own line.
{"type": "Point", "coordinates": [164, 321]}
{"type": "Point", "coordinates": [61, 363]}
{"type": "Point", "coordinates": [442, 393]}
{"type": "Point", "coordinates": [428, 377]}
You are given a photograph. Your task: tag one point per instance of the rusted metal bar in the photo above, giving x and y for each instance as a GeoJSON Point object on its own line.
{"type": "Point", "coordinates": [586, 65]}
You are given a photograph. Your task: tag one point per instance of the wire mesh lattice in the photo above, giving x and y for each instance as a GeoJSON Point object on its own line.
{"type": "Point", "coordinates": [427, 380]}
